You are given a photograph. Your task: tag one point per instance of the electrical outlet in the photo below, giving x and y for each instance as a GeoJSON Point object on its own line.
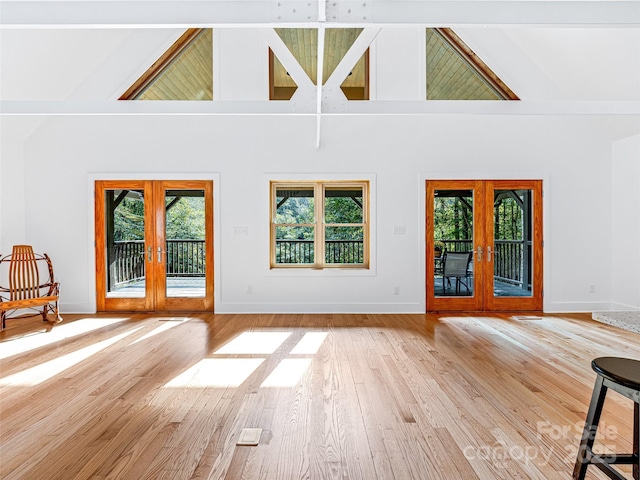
{"type": "Point", "coordinates": [399, 230]}
{"type": "Point", "coordinates": [249, 289]}
{"type": "Point", "coordinates": [241, 230]}
{"type": "Point", "coordinates": [592, 288]}
{"type": "Point", "coordinates": [396, 290]}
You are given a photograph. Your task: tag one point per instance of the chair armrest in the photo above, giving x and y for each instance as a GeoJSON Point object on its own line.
{"type": "Point", "coordinates": [52, 288]}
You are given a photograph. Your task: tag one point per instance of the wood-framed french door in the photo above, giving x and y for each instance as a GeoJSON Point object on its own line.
{"type": "Point", "coordinates": [154, 245]}
{"type": "Point", "coordinates": [484, 245]}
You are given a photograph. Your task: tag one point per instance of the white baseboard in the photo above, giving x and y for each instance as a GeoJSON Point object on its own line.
{"type": "Point", "coordinates": [415, 308]}
{"type": "Point", "coordinates": [576, 307]}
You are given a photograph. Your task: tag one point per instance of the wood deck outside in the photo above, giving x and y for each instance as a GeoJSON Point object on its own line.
{"type": "Point", "coordinates": [337, 396]}
{"type": "Point", "coordinates": [176, 287]}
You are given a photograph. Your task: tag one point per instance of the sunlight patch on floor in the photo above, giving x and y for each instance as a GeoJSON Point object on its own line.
{"type": "Point", "coordinates": [310, 343]}
{"type": "Point", "coordinates": [166, 325]}
{"type": "Point", "coordinates": [57, 333]}
{"type": "Point", "coordinates": [40, 373]}
{"type": "Point", "coordinates": [254, 343]}
{"type": "Point", "coordinates": [288, 373]}
{"type": "Point", "coordinates": [217, 372]}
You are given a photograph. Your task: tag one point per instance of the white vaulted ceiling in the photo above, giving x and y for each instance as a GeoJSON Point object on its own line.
{"type": "Point", "coordinates": [560, 51]}
{"type": "Point", "coordinates": [552, 63]}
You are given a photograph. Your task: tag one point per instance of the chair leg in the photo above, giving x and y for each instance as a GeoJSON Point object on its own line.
{"type": "Point", "coordinates": [56, 312]}
{"type": "Point", "coordinates": [2, 320]}
{"type": "Point", "coordinates": [52, 308]}
{"type": "Point", "coordinates": [590, 429]}
{"type": "Point", "coordinates": [636, 440]}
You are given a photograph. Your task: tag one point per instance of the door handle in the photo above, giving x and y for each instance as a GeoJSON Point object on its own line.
{"type": "Point", "coordinates": [488, 253]}
{"type": "Point", "coordinates": [479, 252]}
{"type": "Point", "coordinates": [160, 252]}
{"type": "Point", "coordinates": [150, 254]}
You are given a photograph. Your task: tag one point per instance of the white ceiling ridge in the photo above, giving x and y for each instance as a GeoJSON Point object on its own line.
{"type": "Point", "coordinates": [374, 107]}
{"type": "Point", "coordinates": [305, 13]}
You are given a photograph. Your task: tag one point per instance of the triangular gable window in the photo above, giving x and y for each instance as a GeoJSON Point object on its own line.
{"type": "Point", "coordinates": [454, 71]}
{"type": "Point", "coordinates": [183, 72]}
{"type": "Point", "coordinates": [303, 45]}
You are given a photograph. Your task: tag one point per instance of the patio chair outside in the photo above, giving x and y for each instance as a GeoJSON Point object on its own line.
{"type": "Point", "coordinates": [456, 265]}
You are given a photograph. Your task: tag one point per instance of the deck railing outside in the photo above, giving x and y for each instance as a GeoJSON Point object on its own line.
{"type": "Point", "coordinates": [126, 262]}
{"type": "Point", "coordinates": [508, 263]}
{"type": "Point", "coordinates": [185, 258]}
{"type": "Point", "coordinates": [336, 251]}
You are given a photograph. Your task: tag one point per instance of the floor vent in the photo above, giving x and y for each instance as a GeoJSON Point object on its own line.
{"type": "Point", "coordinates": [526, 317]}
{"type": "Point", "coordinates": [249, 437]}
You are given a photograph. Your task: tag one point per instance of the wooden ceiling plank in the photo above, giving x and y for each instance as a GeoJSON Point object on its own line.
{"type": "Point", "coordinates": [477, 63]}
{"type": "Point", "coordinates": [287, 59]}
{"type": "Point", "coordinates": [156, 69]}
{"type": "Point", "coordinates": [359, 46]}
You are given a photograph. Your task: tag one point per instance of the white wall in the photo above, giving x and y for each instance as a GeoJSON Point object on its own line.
{"type": "Point", "coordinates": [397, 153]}
{"type": "Point", "coordinates": [626, 224]}
{"type": "Point", "coordinates": [12, 178]}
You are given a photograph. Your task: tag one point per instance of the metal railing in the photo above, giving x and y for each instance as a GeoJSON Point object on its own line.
{"type": "Point", "coordinates": [509, 263]}
{"type": "Point", "coordinates": [126, 260]}
{"type": "Point", "coordinates": [336, 251]}
{"type": "Point", "coordinates": [294, 251]}
{"type": "Point", "coordinates": [185, 258]}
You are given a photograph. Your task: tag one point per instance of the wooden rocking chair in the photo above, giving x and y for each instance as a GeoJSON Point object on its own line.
{"type": "Point", "coordinates": [23, 289]}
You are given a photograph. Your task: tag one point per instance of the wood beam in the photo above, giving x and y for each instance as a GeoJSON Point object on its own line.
{"type": "Point", "coordinates": [246, 13]}
{"type": "Point", "coordinates": [372, 107]}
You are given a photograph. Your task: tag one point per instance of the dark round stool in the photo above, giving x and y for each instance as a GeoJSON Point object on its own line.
{"type": "Point", "coordinates": [621, 375]}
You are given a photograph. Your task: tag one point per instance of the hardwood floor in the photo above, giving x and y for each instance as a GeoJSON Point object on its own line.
{"type": "Point", "coordinates": [337, 396]}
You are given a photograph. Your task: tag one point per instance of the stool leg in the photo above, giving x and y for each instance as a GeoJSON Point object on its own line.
{"type": "Point", "coordinates": [590, 428]}
{"type": "Point", "coordinates": [636, 440]}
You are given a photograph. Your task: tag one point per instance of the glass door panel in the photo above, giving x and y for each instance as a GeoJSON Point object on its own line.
{"type": "Point", "coordinates": [512, 240]}
{"type": "Point", "coordinates": [452, 230]}
{"type": "Point", "coordinates": [185, 243]}
{"type": "Point", "coordinates": [124, 239]}
{"type": "Point", "coordinates": [184, 235]}
{"type": "Point", "coordinates": [126, 266]}
{"type": "Point", "coordinates": [514, 245]}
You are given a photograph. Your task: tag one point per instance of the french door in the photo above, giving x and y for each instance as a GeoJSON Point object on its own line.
{"type": "Point", "coordinates": [484, 245]}
{"type": "Point", "coordinates": [154, 245]}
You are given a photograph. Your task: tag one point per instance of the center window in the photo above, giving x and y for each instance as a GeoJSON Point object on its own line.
{"type": "Point", "coordinates": [320, 224]}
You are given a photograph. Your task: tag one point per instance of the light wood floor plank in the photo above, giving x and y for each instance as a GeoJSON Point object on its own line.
{"type": "Point", "coordinates": [388, 397]}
